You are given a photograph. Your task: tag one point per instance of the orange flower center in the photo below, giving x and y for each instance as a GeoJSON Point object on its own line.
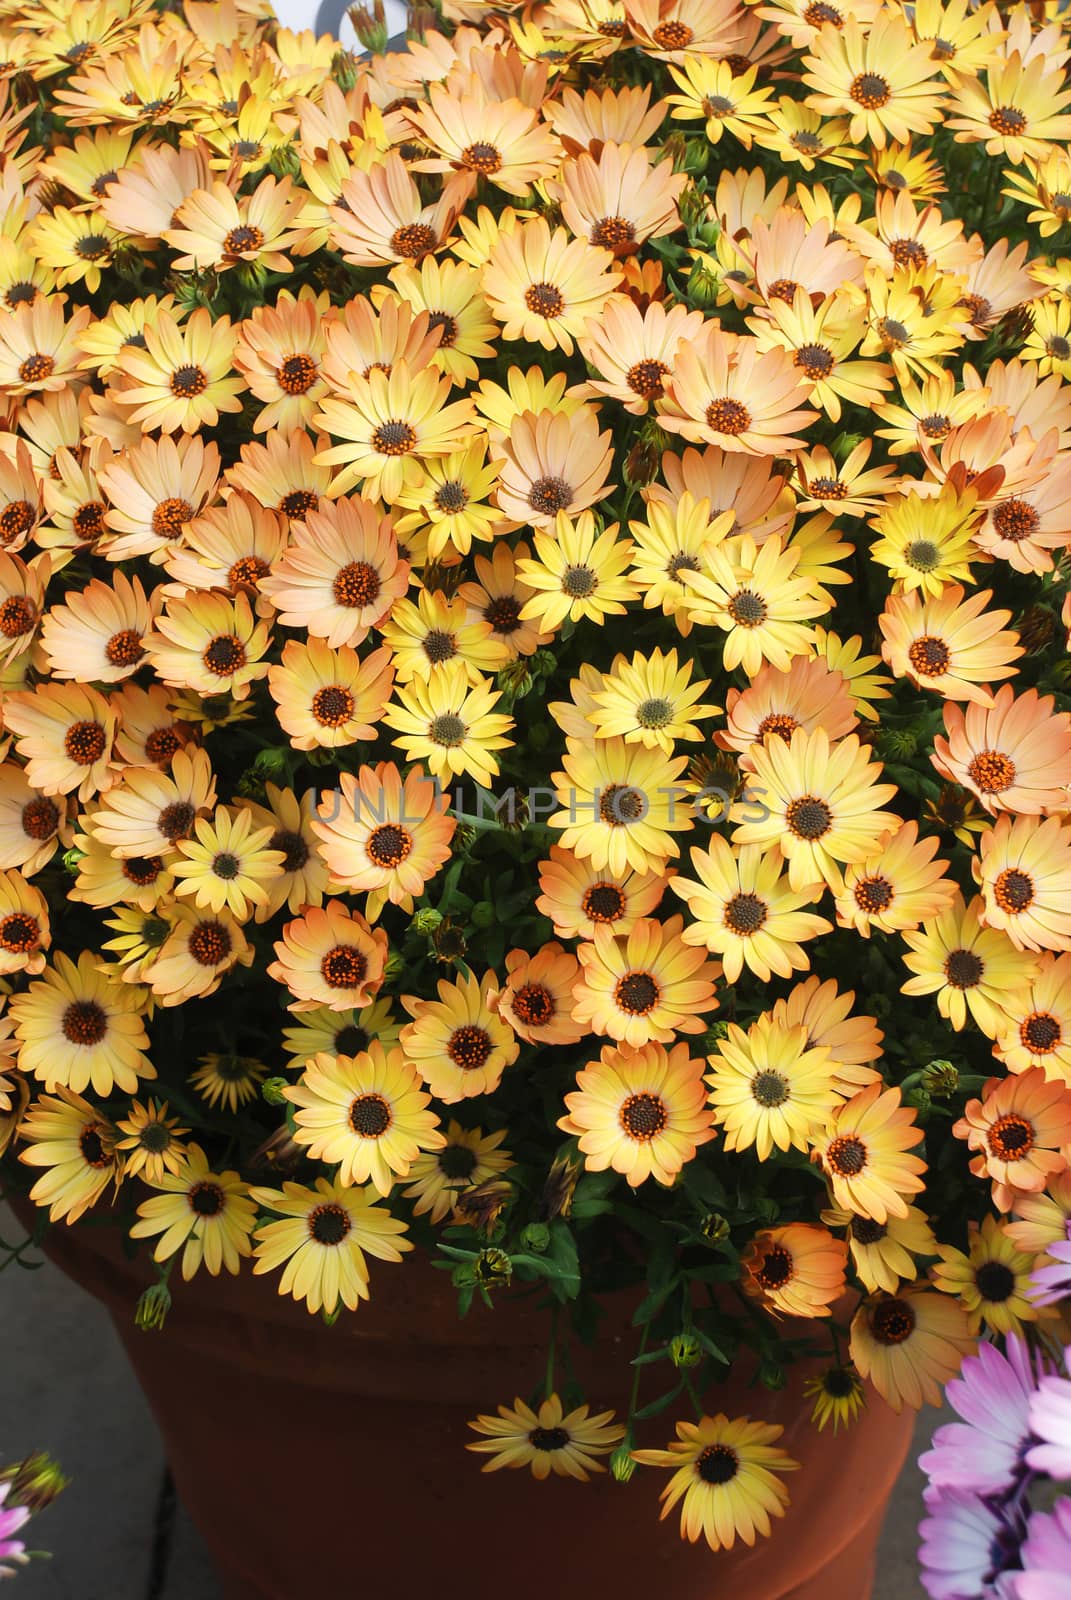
{"type": "Point", "coordinates": [16, 518]}
{"type": "Point", "coordinates": [645, 378]}
{"type": "Point", "coordinates": [224, 655]}
{"type": "Point", "coordinates": [873, 895]}
{"type": "Point", "coordinates": [469, 1047]}
{"type": "Point", "coordinates": [356, 585]}
{"type": "Point", "coordinates": [779, 723]}
{"type": "Point", "coordinates": [388, 845]}
{"type": "Point", "coordinates": [637, 993]}
{"type": "Point", "coordinates": [92, 1146]}
{"type": "Point", "coordinates": [673, 35]}
{"type": "Point", "coordinates": [84, 743]}
{"type": "Point", "coordinates": [40, 819]}
{"type": "Point", "coordinates": [209, 944]}
{"type": "Point", "coordinates": [17, 616]}
{"type": "Point", "coordinates": [909, 253]}
{"type": "Point", "coordinates": [297, 374]}
{"type": "Point", "coordinates": [329, 1224]}
{"type": "Point", "coordinates": [88, 520]}
{"type": "Point", "coordinates": [1040, 1033]}
{"type": "Point", "coordinates": [124, 648]}
{"type": "Point", "coordinates": [748, 609]}
{"type": "Point", "coordinates": [344, 967]}
{"type": "Point", "coordinates": [1011, 1138]}
{"type": "Point", "coordinates": [601, 902]}
{"type": "Point", "coordinates": [929, 656]}
{"type": "Point", "coordinates": [394, 438]}
{"type": "Point", "coordinates": [84, 1023]}
{"type": "Point", "coordinates": [1016, 520]}
{"type": "Point", "coordinates": [169, 516]}
{"type": "Point", "coordinates": [1013, 891]}
{"type": "Point", "coordinates": [161, 745]}
{"type": "Point", "coordinates": [846, 1156]}
{"type": "Point", "coordinates": [142, 870]}
{"type": "Point", "coordinates": [544, 300]}
{"type": "Point", "coordinates": [245, 572]}
{"type": "Point", "coordinates": [19, 933]}
{"type": "Point", "coordinates": [744, 914]}
{"type": "Point", "coordinates": [534, 1004]}
{"type": "Point", "coordinates": [991, 772]}
{"type": "Point", "coordinates": [1007, 120]}
{"type": "Point", "coordinates": [481, 157]}
{"type": "Point", "coordinates": [413, 240]}
{"type": "Point", "coordinates": [188, 382]}
{"type": "Point", "coordinates": [870, 90]}
{"type": "Point", "coordinates": [819, 15]}
{"type": "Point", "coordinates": [643, 1116]}
{"type": "Point", "coordinates": [612, 232]}
{"type": "Point", "coordinates": [244, 238]}
{"type": "Point", "coordinates": [36, 368]}
{"type": "Point", "coordinates": [728, 416]}
{"type": "Point", "coordinates": [892, 1321]}
{"type": "Point", "coordinates": [297, 503]}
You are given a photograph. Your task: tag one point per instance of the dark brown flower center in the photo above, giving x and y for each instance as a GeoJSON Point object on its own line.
{"type": "Point", "coordinates": [176, 820]}
{"type": "Point", "coordinates": [370, 1116]}
{"type": "Point", "coordinates": [450, 498]}
{"type": "Point", "coordinates": [728, 416]}
{"type": "Point", "coordinates": [809, 817]}
{"type": "Point", "coordinates": [356, 585]}
{"type": "Point", "coordinates": [469, 1047]}
{"type": "Point", "coordinates": [846, 1156]}
{"type": "Point", "coordinates": [1011, 1138]}
{"type": "Point", "coordinates": [745, 913]}
{"type": "Point", "coordinates": [1040, 1032]}
{"type": "Point", "coordinates": [929, 656]}
{"type": "Point", "coordinates": [209, 944]}
{"type": "Point", "coordinates": [329, 1224]}
{"type": "Point", "coordinates": [673, 35]}
{"type": "Point", "coordinates": [344, 967]}
{"type": "Point", "coordinates": [892, 1321]}
{"type": "Point", "coordinates": [245, 239]}
{"type": "Point", "coordinates": [1013, 890]}
{"type": "Point", "coordinates": [413, 240]}
{"type": "Point", "coordinates": [870, 90]}
{"type": "Point", "coordinates": [481, 157]}
{"type": "Point", "coordinates": [996, 1282]}
{"type": "Point", "coordinates": [643, 1116]}
{"type": "Point", "coordinates": [439, 646]}
{"type": "Point", "coordinates": [84, 1022]}
{"type": "Point", "coordinates": [394, 438]}
{"type": "Point", "coordinates": [297, 374]}
{"type": "Point", "coordinates": [16, 518]}
{"type": "Point", "coordinates": [1016, 520]}
{"type": "Point", "coordinates": [717, 1464]}
{"type": "Point", "coordinates": [297, 504]}
{"type": "Point", "coordinates": [188, 382]}
{"type": "Point", "coordinates": [534, 1004]}
{"type": "Point", "coordinates": [620, 804]}
{"type": "Point", "coordinates": [991, 772]}
{"type": "Point", "coordinates": [964, 969]}
{"type": "Point", "coordinates": [36, 368]}
{"type": "Point", "coordinates": [40, 818]}
{"type": "Point", "coordinates": [85, 743]}
{"type": "Point", "coordinates": [19, 933]}
{"type": "Point", "coordinates": [1007, 120]}
{"type": "Point", "coordinates": [544, 300]}
{"type": "Point", "coordinates": [207, 1199]}
{"type": "Point", "coordinates": [603, 902]}
{"type": "Point", "coordinates": [548, 1438]}
{"type": "Point", "coordinates": [142, 870]}
{"type": "Point", "coordinates": [748, 609]}
{"type": "Point", "coordinates": [815, 360]}
{"type": "Point", "coordinates": [169, 517]}
{"type": "Point", "coordinates": [550, 495]}
{"type": "Point", "coordinates": [611, 232]}
{"type": "Point", "coordinates": [332, 706]}
{"type": "Point", "coordinates": [388, 845]}
{"type": "Point", "coordinates": [124, 648]}
{"type": "Point", "coordinates": [779, 723]}
{"type": "Point", "coordinates": [769, 1088]}
{"type": "Point", "coordinates": [17, 616]}
{"type": "Point", "coordinates": [88, 520]}
{"type": "Point", "coordinates": [503, 614]}
{"type": "Point", "coordinates": [776, 1268]}
{"type": "Point", "coordinates": [637, 993]}
{"type": "Point", "coordinates": [873, 895]}
{"type": "Point", "coordinates": [224, 655]}
{"type": "Point", "coordinates": [645, 378]}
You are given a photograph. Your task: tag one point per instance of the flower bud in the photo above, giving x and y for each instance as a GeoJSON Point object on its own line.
{"type": "Point", "coordinates": [483, 914]}
{"type": "Point", "coordinates": [271, 1090]}
{"type": "Point", "coordinates": [35, 1482]}
{"type": "Point", "coordinates": [702, 289]}
{"type": "Point", "coordinates": [493, 1266]}
{"type": "Point", "coordinates": [393, 967]}
{"type": "Point", "coordinates": [940, 1079]}
{"type": "Point", "coordinates": [536, 1238]}
{"type": "Point", "coordinates": [714, 1228]}
{"type": "Point", "coordinates": [685, 1350]}
{"type": "Point", "coordinates": [370, 27]}
{"type": "Point", "coordinates": [152, 1307]}
{"type": "Point", "coordinates": [622, 1465]}
{"type": "Point", "coordinates": [772, 1375]}
{"type": "Point", "coordinates": [426, 920]}
{"type": "Point", "coordinates": [284, 161]}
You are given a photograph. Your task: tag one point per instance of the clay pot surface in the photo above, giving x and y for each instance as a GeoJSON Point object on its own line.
{"type": "Point", "coordinates": [321, 1460]}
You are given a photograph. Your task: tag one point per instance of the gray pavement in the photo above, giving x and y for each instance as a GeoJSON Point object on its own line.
{"type": "Point", "coordinates": [65, 1388]}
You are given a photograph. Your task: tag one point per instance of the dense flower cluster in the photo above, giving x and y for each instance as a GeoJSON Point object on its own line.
{"type": "Point", "coordinates": [357, 891]}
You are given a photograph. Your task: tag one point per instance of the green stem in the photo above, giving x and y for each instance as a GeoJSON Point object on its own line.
{"type": "Point", "coordinates": [700, 1413]}
{"type": "Point", "coordinates": [552, 1351]}
{"type": "Point", "coordinates": [637, 1374]}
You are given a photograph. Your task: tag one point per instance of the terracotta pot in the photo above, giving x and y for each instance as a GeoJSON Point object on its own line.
{"type": "Point", "coordinates": [325, 1460]}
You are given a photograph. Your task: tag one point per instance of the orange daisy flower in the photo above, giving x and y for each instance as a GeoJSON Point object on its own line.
{"type": "Point", "coordinates": [878, 76]}
{"type": "Point", "coordinates": [327, 698]}
{"type": "Point", "coordinates": [641, 1113]}
{"type": "Point", "coordinates": [537, 996]}
{"type": "Point", "coordinates": [1036, 1030]}
{"type": "Point", "coordinates": [199, 951]}
{"type": "Point", "coordinates": [1014, 755]}
{"type": "Point", "coordinates": [459, 1044]}
{"type": "Point", "coordinates": [154, 491]}
{"type": "Point", "coordinates": [280, 353]}
{"type": "Point", "coordinates": [180, 380]}
{"type": "Point", "coordinates": [910, 1344]}
{"type": "Point", "coordinates": [390, 422]}
{"type": "Point", "coordinates": [633, 351]}
{"type": "Point", "coordinates": [948, 643]}
{"type": "Point", "coordinates": [778, 700]}
{"type": "Point", "coordinates": [864, 1155]}
{"type": "Point", "coordinates": [151, 810]}
{"type": "Point", "coordinates": [1020, 1127]}
{"type": "Point", "coordinates": [209, 642]}
{"type": "Point", "coordinates": [546, 287]}
{"type": "Point", "coordinates": [968, 965]}
{"type": "Point", "coordinates": [64, 733]}
{"type": "Point", "coordinates": [329, 957]}
{"type": "Point", "coordinates": [501, 141]}
{"type": "Point", "coordinates": [553, 463]}
{"type": "Point", "coordinates": [644, 985]}
{"type": "Point", "coordinates": [341, 574]}
{"type": "Point", "coordinates": [620, 199]}
{"type": "Point", "coordinates": [724, 392]}
{"type": "Point", "coordinates": [382, 218]}
{"type": "Point", "coordinates": [578, 898]}
{"type": "Point", "coordinates": [96, 635]}
{"type": "Point", "coordinates": [39, 347]}
{"type": "Point", "coordinates": [219, 229]}
{"type": "Point", "coordinates": [231, 546]}
{"type": "Point", "coordinates": [853, 1042]}
{"type": "Point", "coordinates": [384, 834]}
{"type": "Point", "coordinates": [899, 886]}
{"type": "Point", "coordinates": [1024, 872]}
{"type": "Point", "coordinates": [799, 1270]}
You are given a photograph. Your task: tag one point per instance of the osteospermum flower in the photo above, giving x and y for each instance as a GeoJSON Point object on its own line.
{"type": "Point", "coordinates": [578, 897]}
{"type": "Point", "coordinates": [1036, 1026]}
{"type": "Point", "coordinates": [155, 489]}
{"type": "Point", "coordinates": [280, 353]}
{"type": "Point", "coordinates": [770, 1086]}
{"type": "Point", "coordinates": [650, 701]}
{"type": "Point", "coordinates": [853, 1042]}
{"type": "Point", "coordinates": [341, 574]}
{"type": "Point", "coordinates": [820, 805]}
{"type": "Point", "coordinates": [900, 886]}
{"type": "Point", "coordinates": [224, 1078]}
{"type": "Point", "coordinates": [884, 1253]}
{"type": "Point", "coordinates": [727, 1476]}
{"type": "Point", "coordinates": [553, 464]}
{"type": "Point", "coordinates": [501, 141]}
{"type": "Point", "coordinates": [39, 346]}
{"type": "Point", "coordinates": [209, 642]}
{"type": "Point", "coordinates": [949, 643]}
{"type": "Point", "coordinates": [450, 724]}
{"type": "Point", "coordinates": [151, 1142]}
{"type": "Point", "coordinates": [458, 1043]}
{"type": "Point", "coordinates": [219, 230]}
{"type": "Point", "coordinates": [425, 634]}
{"type": "Point", "coordinates": [838, 1396]}
{"type": "Point", "coordinates": [384, 834]}
{"type": "Point", "coordinates": [76, 1027]}
{"type": "Point", "coordinates": [389, 423]}
{"type": "Point", "coordinates": [201, 947]}
{"type": "Point", "coordinates": [466, 1159]}
{"type": "Point", "coordinates": [381, 217]}
{"type": "Point", "coordinates": [877, 76]}
{"type": "Point", "coordinates": [640, 1112]}
{"type": "Point", "coordinates": [724, 391]}
{"type": "Point", "coordinates": [754, 595]}
{"type": "Point", "coordinates": [64, 733]}
{"type": "Point", "coordinates": [75, 1143]}
{"type": "Point", "coordinates": [634, 351]}
{"type": "Point", "coordinates": [548, 1441]}
{"type": "Point", "coordinates": [798, 1270]}
{"type": "Point", "coordinates": [537, 996]}
{"type": "Point", "coordinates": [992, 1279]}
{"type": "Point", "coordinates": [621, 803]}
{"type": "Point", "coordinates": [968, 965]}
{"type": "Point", "coordinates": [928, 543]}
{"type": "Point", "coordinates": [618, 199]}
{"type": "Point", "coordinates": [1020, 1128]}
{"type": "Point", "coordinates": [645, 985]}
{"type": "Point", "coordinates": [577, 571]}
{"type": "Point", "coordinates": [96, 635]}
{"type": "Point", "coordinates": [207, 1215]}
{"type": "Point", "coordinates": [983, 1453]}
{"type": "Point", "coordinates": [544, 287]}
{"type": "Point", "coordinates": [30, 822]}
{"type": "Point", "coordinates": [329, 957]}
{"type": "Point", "coordinates": [863, 1154]}
{"type": "Point", "coordinates": [1024, 872]}
{"type": "Point", "coordinates": [778, 701]}
{"type": "Point", "coordinates": [909, 1344]}
{"type": "Point", "coordinates": [1014, 755]}
{"type": "Point", "coordinates": [365, 1114]}
{"type": "Point", "coordinates": [151, 810]}
{"type": "Point", "coordinates": [25, 934]}
{"type": "Point", "coordinates": [745, 913]}
{"type": "Point", "coordinates": [459, 321]}
{"type": "Point", "coordinates": [181, 379]}
{"type": "Point", "coordinates": [1019, 110]}
{"type": "Point", "coordinates": [322, 1240]}
{"type": "Point", "coordinates": [227, 862]}
{"type": "Point", "coordinates": [325, 698]}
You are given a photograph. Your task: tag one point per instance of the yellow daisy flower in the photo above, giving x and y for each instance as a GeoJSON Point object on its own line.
{"type": "Point", "coordinates": [769, 1086]}
{"type": "Point", "coordinates": [207, 1215]}
{"type": "Point", "coordinates": [322, 1241]}
{"type": "Point", "coordinates": [549, 1441]}
{"type": "Point", "coordinates": [726, 1478]}
{"type": "Point", "coordinates": [75, 1143]}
